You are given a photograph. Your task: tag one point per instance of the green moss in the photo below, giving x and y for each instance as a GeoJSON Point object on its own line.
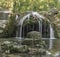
{"type": "Point", "coordinates": [34, 35]}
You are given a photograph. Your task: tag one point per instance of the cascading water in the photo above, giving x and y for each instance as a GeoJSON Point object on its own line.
{"type": "Point", "coordinates": [39, 17]}
{"type": "Point", "coordinates": [21, 22]}
{"type": "Point", "coordinates": [51, 37]}
{"type": "Point", "coordinates": [27, 17]}
{"type": "Point", "coordinates": [40, 27]}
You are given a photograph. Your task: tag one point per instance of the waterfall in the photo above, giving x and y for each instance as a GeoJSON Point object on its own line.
{"type": "Point", "coordinates": [21, 24]}
{"type": "Point", "coordinates": [17, 17]}
{"type": "Point", "coordinates": [40, 27]}
{"type": "Point", "coordinates": [51, 37]}
{"type": "Point", "coordinates": [16, 30]}
{"type": "Point", "coordinates": [39, 17]}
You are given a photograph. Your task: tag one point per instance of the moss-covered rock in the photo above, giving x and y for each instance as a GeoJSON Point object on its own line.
{"type": "Point", "coordinates": [10, 47]}
{"type": "Point", "coordinates": [19, 49]}
{"type": "Point", "coordinates": [32, 38]}
{"type": "Point", "coordinates": [34, 35]}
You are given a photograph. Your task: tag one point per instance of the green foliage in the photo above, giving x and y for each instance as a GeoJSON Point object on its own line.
{"type": "Point", "coordinates": [34, 35]}
{"type": "Point", "coordinates": [34, 5]}
{"type": "Point", "coordinates": [34, 40]}
{"type": "Point", "coordinates": [10, 28]}
{"type": "Point", "coordinates": [6, 4]}
{"type": "Point", "coordinates": [29, 5]}
{"type": "Point", "coordinates": [13, 48]}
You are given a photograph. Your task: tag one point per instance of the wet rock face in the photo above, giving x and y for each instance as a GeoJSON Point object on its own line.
{"type": "Point", "coordinates": [34, 34]}
{"type": "Point", "coordinates": [54, 11]}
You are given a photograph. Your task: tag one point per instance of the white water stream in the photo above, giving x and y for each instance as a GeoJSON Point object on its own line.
{"type": "Point", "coordinates": [40, 17]}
